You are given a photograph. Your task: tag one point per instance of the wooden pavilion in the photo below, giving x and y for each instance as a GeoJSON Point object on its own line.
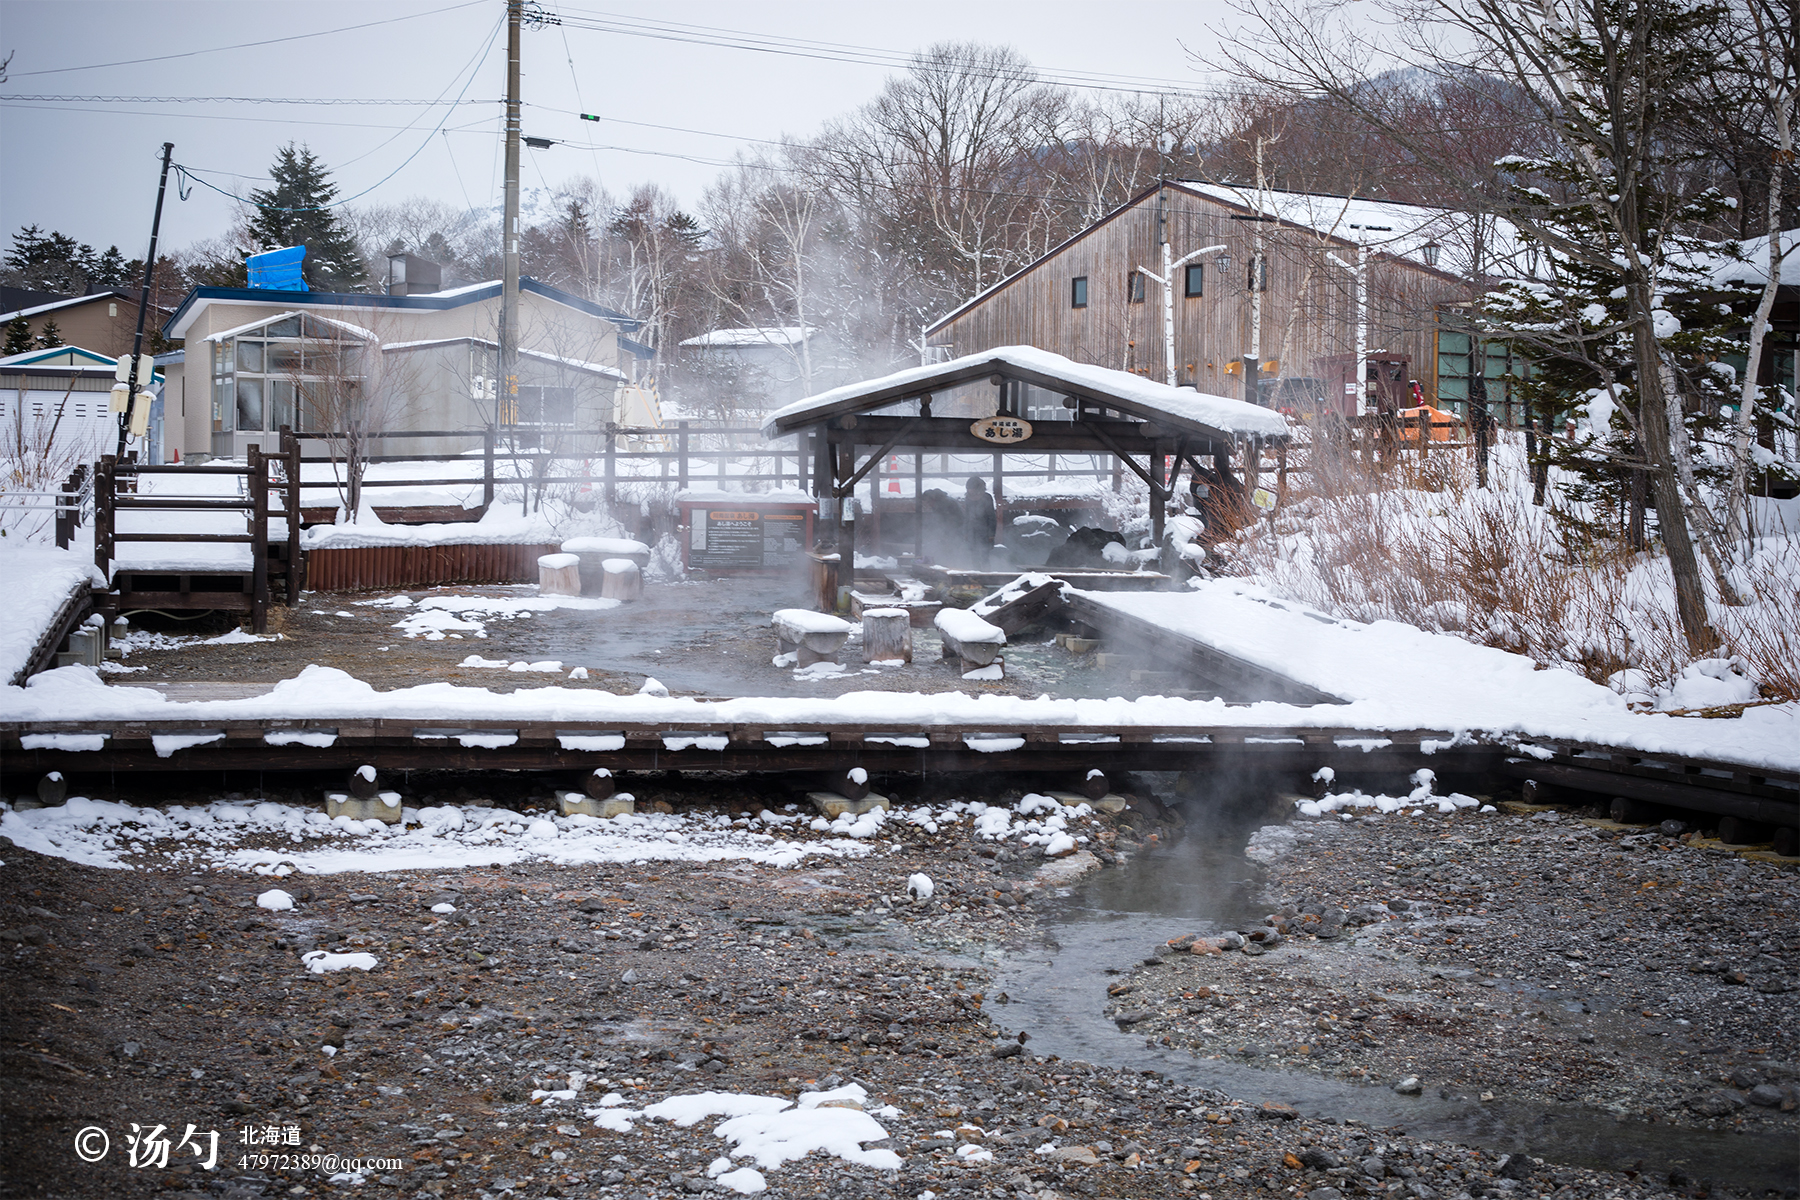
{"type": "Point", "coordinates": [979, 404]}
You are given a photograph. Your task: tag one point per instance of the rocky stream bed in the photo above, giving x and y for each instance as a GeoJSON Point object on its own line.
{"type": "Point", "coordinates": [521, 1023]}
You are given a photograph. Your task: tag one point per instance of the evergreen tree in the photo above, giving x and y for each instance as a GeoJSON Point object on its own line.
{"type": "Point", "coordinates": [18, 337]}
{"type": "Point", "coordinates": [50, 338]}
{"type": "Point", "coordinates": [111, 270]}
{"type": "Point", "coordinates": [49, 262]}
{"type": "Point", "coordinates": [294, 212]}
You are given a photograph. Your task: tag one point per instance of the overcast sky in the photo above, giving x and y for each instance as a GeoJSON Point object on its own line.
{"type": "Point", "coordinates": [88, 167]}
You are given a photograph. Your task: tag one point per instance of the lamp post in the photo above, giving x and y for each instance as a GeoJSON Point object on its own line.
{"type": "Point", "coordinates": [1167, 280]}
{"type": "Point", "coordinates": [1359, 271]}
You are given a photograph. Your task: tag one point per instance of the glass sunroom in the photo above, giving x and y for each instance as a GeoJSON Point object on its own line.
{"type": "Point", "coordinates": [294, 369]}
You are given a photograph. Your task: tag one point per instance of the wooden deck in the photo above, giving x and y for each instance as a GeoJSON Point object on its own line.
{"type": "Point", "coordinates": [1045, 754]}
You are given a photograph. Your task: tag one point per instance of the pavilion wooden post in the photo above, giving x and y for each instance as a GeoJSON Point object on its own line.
{"type": "Point", "coordinates": [918, 506]}
{"type": "Point", "coordinates": [487, 468]}
{"type": "Point", "coordinates": [612, 492]}
{"type": "Point", "coordinates": [999, 496]}
{"type": "Point", "coordinates": [105, 490]}
{"type": "Point", "coordinates": [1158, 471]}
{"type": "Point", "coordinates": [846, 536]}
{"type": "Point", "coordinates": [824, 485]}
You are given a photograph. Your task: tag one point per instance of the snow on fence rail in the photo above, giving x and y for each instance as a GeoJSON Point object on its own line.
{"type": "Point", "coordinates": [684, 455]}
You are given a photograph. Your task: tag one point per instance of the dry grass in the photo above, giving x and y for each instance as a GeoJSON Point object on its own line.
{"type": "Point", "coordinates": [1423, 545]}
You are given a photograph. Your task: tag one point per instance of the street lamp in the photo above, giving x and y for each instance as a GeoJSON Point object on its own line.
{"type": "Point", "coordinates": [1167, 280]}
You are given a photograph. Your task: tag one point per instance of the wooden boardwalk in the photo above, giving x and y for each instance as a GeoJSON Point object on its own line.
{"type": "Point", "coordinates": [1045, 754]}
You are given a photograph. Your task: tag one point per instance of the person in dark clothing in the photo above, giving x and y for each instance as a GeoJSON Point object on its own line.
{"type": "Point", "coordinates": [978, 510]}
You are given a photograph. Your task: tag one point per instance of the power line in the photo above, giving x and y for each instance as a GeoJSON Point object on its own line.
{"type": "Point", "coordinates": [313, 100]}
{"type": "Point", "coordinates": [733, 137]}
{"type": "Point", "coordinates": [478, 61]}
{"type": "Point", "coordinates": [117, 112]}
{"type": "Point", "coordinates": [737, 39]}
{"type": "Point", "coordinates": [297, 37]}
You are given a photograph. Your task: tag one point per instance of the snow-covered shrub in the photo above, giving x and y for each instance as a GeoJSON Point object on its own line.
{"type": "Point", "coordinates": [1490, 566]}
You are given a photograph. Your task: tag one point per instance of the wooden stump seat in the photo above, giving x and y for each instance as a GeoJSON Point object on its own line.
{"type": "Point", "coordinates": [887, 635]}
{"type": "Point", "coordinates": [559, 575]}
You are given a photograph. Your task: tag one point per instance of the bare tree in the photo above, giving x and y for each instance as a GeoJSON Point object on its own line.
{"type": "Point", "coordinates": [348, 392]}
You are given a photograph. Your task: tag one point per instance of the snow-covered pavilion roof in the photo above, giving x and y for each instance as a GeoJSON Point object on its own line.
{"type": "Point", "coordinates": [1219, 418]}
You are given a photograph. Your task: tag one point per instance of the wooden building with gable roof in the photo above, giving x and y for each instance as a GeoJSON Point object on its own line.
{"type": "Point", "coordinates": [1265, 285]}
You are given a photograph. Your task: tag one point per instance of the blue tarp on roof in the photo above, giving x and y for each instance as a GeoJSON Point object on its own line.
{"type": "Point", "coordinates": [278, 270]}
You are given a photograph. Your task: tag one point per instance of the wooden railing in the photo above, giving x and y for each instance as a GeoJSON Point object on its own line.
{"type": "Point", "coordinates": [116, 490]}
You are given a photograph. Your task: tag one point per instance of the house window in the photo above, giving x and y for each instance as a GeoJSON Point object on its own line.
{"type": "Point", "coordinates": [1258, 280]}
{"type": "Point", "coordinates": [1457, 367]}
{"type": "Point", "coordinates": [1078, 292]}
{"type": "Point", "coordinates": [1196, 280]}
{"type": "Point", "coordinates": [543, 406]}
{"type": "Point", "coordinates": [1134, 287]}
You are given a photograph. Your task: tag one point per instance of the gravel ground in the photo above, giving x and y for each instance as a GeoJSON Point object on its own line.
{"type": "Point", "coordinates": [166, 998]}
{"type": "Point", "coordinates": [1508, 958]}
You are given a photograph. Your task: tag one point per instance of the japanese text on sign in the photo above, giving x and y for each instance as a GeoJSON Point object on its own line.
{"type": "Point", "coordinates": [1001, 429]}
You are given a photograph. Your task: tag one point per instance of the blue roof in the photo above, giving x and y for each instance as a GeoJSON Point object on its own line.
{"type": "Point", "coordinates": [429, 301]}
{"type": "Point", "coordinates": [38, 358]}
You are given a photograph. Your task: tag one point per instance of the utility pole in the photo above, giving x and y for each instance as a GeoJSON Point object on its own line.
{"type": "Point", "coordinates": [137, 342]}
{"type": "Point", "coordinates": [507, 398]}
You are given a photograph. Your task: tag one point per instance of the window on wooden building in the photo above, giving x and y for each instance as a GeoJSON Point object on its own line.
{"type": "Point", "coordinates": [1078, 292]}
{"type": "Point", "coordinates": [1500, 367]}
{"type": "Point", "coordinates": [1134, 287]}
{"type": "Point", "coordinates": [1196, 279]}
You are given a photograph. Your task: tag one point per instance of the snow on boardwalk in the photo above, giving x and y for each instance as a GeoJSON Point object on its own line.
{"type": "Point", "coordinates": [202, 557]}
{"type": "Point", "coordinates": [1397, 676]}
{"type": "Point", "coordinates": [39, 580]}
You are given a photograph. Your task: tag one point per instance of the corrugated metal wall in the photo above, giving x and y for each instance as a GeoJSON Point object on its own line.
{"type": "Point", "coordinates": [367, 568]}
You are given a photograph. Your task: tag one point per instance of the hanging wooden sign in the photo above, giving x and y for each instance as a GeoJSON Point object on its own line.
{"type": "Point", "coordinates": [1001, 430]}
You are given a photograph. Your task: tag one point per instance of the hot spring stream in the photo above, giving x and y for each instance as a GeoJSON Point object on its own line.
{"type": "Point", "coordinates": [1115, 918]}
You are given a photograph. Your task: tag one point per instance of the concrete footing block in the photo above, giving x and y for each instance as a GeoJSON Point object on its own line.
{"type": "Point", "coordinates": [385, 806]}
{"type": "Point", "coordinates": [617, 804]}
{"type": "Point", "coordinates": [1112, 802]}
{"type": "Point", "coordinates": [834, 806]}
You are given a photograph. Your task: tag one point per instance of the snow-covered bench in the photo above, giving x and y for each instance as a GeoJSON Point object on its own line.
{"type": "Point", "coordinates": [810, 636]}
{"type": "Point", "coordinates": [966, 636]}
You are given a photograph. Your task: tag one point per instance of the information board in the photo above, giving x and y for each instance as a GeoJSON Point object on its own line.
{"type": "Point", "coordinates": [745, 537]}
